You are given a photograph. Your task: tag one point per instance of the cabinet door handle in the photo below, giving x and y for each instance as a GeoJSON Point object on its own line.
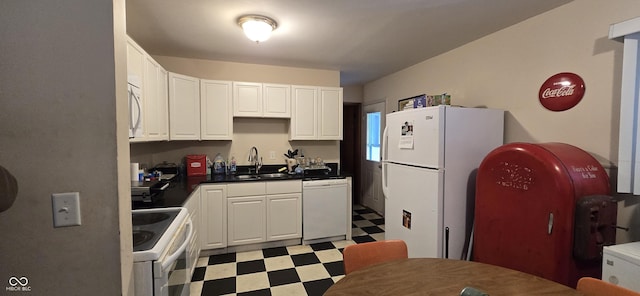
{"type": "Point", "coordinates": [550, 225]}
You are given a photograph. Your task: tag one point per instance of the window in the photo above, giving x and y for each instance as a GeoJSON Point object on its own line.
{"type": "Point", "coordinates": [373, 136]}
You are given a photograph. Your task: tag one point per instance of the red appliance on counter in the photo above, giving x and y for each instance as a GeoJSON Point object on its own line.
{"type": "Point", "coordinates": [543, 209]}
{"type": "Point", "coordinates": [196, 165]}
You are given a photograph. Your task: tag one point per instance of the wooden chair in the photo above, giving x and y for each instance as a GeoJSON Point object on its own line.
{"type": "Point", "coordinates": [362, 255]}
{"type": "Point", "coordinates": [595, 287]}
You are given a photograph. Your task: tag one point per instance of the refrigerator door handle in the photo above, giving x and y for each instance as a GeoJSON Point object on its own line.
{"type": "Point", "coordinates": [385, 188]}
{"type": "Point", "coordinates": [384, 145]}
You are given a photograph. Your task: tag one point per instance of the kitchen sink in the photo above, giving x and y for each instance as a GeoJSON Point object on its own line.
{"type": "Point", "coordinates": [247, 177]}
{"type": "Point", "coordinates": [273, 176]}
{"type": "Point", "coordinates": [261, 176]}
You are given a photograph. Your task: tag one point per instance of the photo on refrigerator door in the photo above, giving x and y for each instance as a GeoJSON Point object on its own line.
{"type": "Point", "coordinates": [406, 136]}
{"type": "Point", "coordinates": [406, 219]}
{"type": "Point", "coordinates": [407, 128]}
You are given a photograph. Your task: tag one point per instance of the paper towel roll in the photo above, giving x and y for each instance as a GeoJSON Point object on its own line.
{"type": "Point", "coordinates": [135, 168]}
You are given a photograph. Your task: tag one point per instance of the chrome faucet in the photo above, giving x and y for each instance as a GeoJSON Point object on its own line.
{"type": "Point", "coordinates": [254, 159]}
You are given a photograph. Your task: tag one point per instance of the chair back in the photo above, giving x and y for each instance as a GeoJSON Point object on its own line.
{"type": "Point", "coordinates": [595, 287]}
{"type": "Point", "coordinates": [365, 254]}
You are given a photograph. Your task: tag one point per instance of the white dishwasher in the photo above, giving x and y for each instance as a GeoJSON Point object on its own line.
{"type": "Point", "coordinates": [324, 210]}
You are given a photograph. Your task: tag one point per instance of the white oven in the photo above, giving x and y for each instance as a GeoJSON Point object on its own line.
{"type": "Point", "coordinates": [163, 267]}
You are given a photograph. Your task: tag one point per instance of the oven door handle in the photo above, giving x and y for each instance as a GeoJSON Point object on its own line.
{"type": "Point", "coordinates": [173, 257]}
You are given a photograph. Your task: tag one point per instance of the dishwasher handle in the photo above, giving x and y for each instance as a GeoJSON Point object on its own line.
{"type": "Point", "coordinates": [317, 185]}
{"type": "Point", "coordinates": [323, 184]}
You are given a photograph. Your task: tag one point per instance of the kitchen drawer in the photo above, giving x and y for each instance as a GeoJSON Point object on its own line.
{"type": "Point", "coordinates": [246, 189]}
{"type": "Point", "coordinates": [277, 187]}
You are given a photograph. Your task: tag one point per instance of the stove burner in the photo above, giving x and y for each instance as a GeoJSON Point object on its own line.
{"type": "Point", "coordinates": [150, 226]}
{"type": "Point", "coordinates": [148, 218]}
{"type": "Point", "coordinates": [141, 236]}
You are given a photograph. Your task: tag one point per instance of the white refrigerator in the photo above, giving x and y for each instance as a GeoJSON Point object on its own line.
{"type": "Point", "coordinates": [430, 157]}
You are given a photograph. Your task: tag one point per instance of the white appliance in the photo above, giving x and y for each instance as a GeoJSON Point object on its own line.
{"type": "Point", "coordinates": [430, 156]}
{"type": "Point", "coordinates": [325, 210]}
{"type": "Point", "coordinates": [163, 259]}
{"type": "Point", "coordinates": [136, 128]}
{"type": "Point", "coordinates": [621, 265]}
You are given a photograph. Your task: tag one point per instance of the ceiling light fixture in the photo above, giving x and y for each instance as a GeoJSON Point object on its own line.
{"type": "Point", "coordinates": [257, 27]}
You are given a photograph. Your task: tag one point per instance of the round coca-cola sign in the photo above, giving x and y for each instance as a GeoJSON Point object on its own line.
{"type": "Point", "coordinates": [561, 91]}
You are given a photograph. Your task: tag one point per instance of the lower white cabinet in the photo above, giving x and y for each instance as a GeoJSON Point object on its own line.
{"type": "Point", "coordinates": [213, 205]}
{"type": "Point", "coordinates": [264, 211]}
{"type": "Point", "coordinates": [193, 207]}
{"type": "Point", "coordinates": [246, 217]}
{"type": "Point", "coordinates": [247, 213]}
{"type": "Point", "coordinates": [284, 216]}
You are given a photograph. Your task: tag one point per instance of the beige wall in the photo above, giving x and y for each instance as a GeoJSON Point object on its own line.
{"type": "Point", "coordinates": [265, 134]}
{"type": "Point", "coordinates": [58, 134]}
{"type": "Point", "coordinates": [506, 69]}
{"type": "Point", "coordinates": [353, 93]}
{"type": "Point", "coordinates": [220, 70]}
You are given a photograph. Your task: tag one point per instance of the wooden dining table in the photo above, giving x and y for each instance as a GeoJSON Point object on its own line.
{"type": "Point", "coordinates": [432, 276]}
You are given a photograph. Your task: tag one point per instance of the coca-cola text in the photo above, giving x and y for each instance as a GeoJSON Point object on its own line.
{"type": "Point", "coordinates": [558, 92]}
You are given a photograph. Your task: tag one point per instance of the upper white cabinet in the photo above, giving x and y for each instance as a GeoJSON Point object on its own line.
{"type": "Point", "coordinates": [155, 91]}
{"type": "Point", "coordinates": [171, 106]}
{"type": "Point", "coordinates": [316, 113]}
{"type": "Point", "coordinates": [135, 75]}
{"type": "Point", "coordinates": [276, 100]}
{"type": "Point", "coordinates": [247, 99]}
{"type": "Point", "coordinates": [261, 100]}
{"type": "Point", "coordinates": [149, 113]}
{"type": "Point", "coordinates": [216, 121]}
{"type": "Point", "coordinates": [184, 107]}
{"type": "Point", "coordinates": [330, 113]}
{"type": "Point", "coordinates": [304, 113]}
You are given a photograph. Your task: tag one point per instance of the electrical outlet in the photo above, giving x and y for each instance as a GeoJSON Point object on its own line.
{"type": "Point", "coordinates": [272, 155]}
{"type": "Point", "coordinates": [66, 209]}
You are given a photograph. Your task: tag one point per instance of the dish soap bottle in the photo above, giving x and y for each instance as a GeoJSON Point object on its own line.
{"type": "Point", "coordinates": [218, 164]}
{"type": "Point", "coordinates": [232, 165]}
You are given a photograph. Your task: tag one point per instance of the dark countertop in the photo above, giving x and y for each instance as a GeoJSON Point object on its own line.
{"type": "Point", "coordinates": [179, 189]}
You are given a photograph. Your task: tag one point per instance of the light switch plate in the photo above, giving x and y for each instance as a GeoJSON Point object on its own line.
{"type": "Point", "coordinates": [66, 209]}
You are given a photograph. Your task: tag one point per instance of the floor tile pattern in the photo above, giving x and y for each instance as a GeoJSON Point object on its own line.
{"type": "Point", "coordinates": [294, 270]}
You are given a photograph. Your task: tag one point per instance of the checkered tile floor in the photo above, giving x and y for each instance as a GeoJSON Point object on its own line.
{"type": "Point", "coordinates": [293, 270]}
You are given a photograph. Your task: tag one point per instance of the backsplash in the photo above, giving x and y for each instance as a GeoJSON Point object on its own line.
{"type": "Point", "coordinates": [265, 134]}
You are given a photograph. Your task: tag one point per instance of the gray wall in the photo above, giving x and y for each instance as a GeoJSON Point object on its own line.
{"type": "Point", "coordinates": [58, 133]}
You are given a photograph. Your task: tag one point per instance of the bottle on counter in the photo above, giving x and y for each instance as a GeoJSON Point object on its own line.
{"type": "Point", "coordinates": [232, 165]}
{"type": "Point", "coordinates": [219, 166]}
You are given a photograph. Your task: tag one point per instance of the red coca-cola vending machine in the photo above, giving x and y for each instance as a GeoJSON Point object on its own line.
{"type": "Point", "coordinates": [543, 209]}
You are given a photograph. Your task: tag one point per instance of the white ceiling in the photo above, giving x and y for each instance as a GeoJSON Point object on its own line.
{"type": "Point", "coordinates": [363, 39]}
